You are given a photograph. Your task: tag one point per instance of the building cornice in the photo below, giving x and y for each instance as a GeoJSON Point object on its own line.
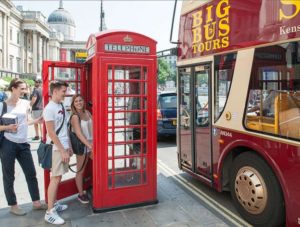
{"type": "Point", "coordinates": [7, 3]}
{"type": "Point", "coordinates": [80, 45]}
{"type": "Point", "coordinates": [16, 14]}
{"type": "Point", "coordinates": [74, 42]}
{"type": "Point", "coordinates": [5, 7]}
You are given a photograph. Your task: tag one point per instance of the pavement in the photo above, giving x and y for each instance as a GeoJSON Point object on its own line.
{"type": "Point", "coordinates": [176, 207]}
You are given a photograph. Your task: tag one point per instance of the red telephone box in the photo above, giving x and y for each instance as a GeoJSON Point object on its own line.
{"type": "Point", "coordinates": [119, 82]}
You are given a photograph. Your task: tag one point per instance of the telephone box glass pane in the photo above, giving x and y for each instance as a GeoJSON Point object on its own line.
{"type": "Point", "coordinates": [61, 73]}
{"type": "Point", "coordinates": [127, 179]}
{"type": "Point", "coordinates": [127, 106]}
{"type": "Point", "coordinates": [125, 164]}
{"type": "Point", "coordinates": [119, 150]}
{"type": "Point", "coordinates": [127, 73]}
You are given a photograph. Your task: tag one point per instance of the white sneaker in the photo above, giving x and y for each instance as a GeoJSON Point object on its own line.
{"type": "Point", "coordinates": [60, 207]}
{"type": "Point", "coordinates": [53, 218]}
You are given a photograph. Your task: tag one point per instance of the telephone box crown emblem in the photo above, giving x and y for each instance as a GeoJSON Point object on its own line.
{"type": "Point", "coordinates": [127, 39]}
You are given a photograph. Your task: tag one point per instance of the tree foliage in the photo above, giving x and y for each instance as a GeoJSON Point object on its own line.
{"type": "Point", "coordinates": [27, 81]}
{"type": "Point", "coordinates": [164, 71]}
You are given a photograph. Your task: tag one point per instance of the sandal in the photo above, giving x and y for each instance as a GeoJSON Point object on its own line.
{"type": "Point", "coordinates": [17, 211]}
{"type": "Point", "coordinates": [43, 206]}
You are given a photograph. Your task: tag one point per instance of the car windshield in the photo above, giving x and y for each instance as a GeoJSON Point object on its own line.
{"type": "Point", "coordinates": [168, 101]}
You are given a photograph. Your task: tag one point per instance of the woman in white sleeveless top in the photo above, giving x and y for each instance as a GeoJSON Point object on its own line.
{"type": "Point", "coordinates": [14, 146]}
{"type": "Point", "coordinates": [81, 122]}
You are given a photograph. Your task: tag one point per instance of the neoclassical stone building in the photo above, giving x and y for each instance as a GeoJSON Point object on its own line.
{"type": "Point", "coordinates": [28, 37]}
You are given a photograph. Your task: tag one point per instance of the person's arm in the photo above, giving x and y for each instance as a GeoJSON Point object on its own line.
{"type": "Point", "coordinates": [33, 97]}
{"type": "Point", "coordinates": [33, 121]}
{"type": "Point", "coordinates": [253, 109]}
{"type": "Point", "coordinates": [54, 138]}
{"type": "Point", "coordinates": [33, 100]}
{"type": "Point", "coordinates": [77, 129]}
{"type": "Point", "coordinates": [11, 127]}
{"type": "Point", "coordinates": [89, 113]}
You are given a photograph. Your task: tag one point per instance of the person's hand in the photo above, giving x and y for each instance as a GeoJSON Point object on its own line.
{"type": "Point", "coordinates": [70, 151]}
{"type": "Point", "coordinates": [65, 156]}
{"type": "Point", "coordinates": [12, 127]}
{"type": "Point", "coordinates": [90, 146]}
{"type": "Point", "coordinates": [39, 120]}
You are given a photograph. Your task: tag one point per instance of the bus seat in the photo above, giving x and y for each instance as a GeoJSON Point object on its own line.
{"type": "Point", "coordinates": [289, 116]}
{"type": "Point", "coordinates": [289, 124]}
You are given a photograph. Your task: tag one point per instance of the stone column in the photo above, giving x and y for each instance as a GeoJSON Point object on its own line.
{"type": "Point", "coordinates": [48, 50]}
{"type": "Point", "coordinates": [41, 53]}
{"type": "Point", "coordinates": [25, 40]}
{"type": "Point", "coordinates": [5, 41]}
{"type": "Point", "coordinates": [44, 48]}
{"type": "Point", "coordinates": [2, 40]}
{"type": "Point", "coordinates": [34, 52]}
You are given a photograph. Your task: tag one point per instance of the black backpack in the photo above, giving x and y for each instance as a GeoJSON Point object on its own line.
{"type": "Point", "coordinates": [4, 111]}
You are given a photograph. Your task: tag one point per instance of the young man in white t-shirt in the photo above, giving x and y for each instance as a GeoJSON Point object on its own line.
{"type": "Point", "coordinates": [55, 116]}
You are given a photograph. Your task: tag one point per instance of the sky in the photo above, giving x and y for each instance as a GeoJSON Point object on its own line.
{"type": "Point", "coordinates": [151, 18]}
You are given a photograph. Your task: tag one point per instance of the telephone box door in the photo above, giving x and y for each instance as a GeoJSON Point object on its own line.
{"type": "Point", "coordinates": [75, 75]}
{"type": "Point", "coordinates": [126, 136]}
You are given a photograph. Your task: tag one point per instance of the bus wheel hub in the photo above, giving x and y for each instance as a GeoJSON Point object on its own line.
{"type": "Point", "coordinates": [251, 190]}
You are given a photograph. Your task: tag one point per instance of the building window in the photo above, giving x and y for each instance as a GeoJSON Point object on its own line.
{"type": "Point", "coordinates": [18, 37]}
{"type": "Point", "coordinates": [29, 46]}
{"type": "Point", "coordinates": [1, 65]}
{"type": "Point", "coordinates": [29, 68]}
{"type": "Point", "coordinates": [18, 65]}
{"type": "Point", "coordinates": [1, 25]}
{"type": "Point", "coordinates": [11, 61]}
{"type": "Point", "coordinates": [25, 66]}
{"type": "Point", "coordinates": [10, 34]}
{"type": "Point", "coordinates": [25, 39]}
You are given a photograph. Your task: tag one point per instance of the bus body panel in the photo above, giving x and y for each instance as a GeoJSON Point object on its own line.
{"type": "Point", "coordinates": [283, 158]}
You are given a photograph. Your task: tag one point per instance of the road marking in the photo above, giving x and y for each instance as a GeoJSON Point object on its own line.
{"type": "Point", "coordinates": [227, 214]}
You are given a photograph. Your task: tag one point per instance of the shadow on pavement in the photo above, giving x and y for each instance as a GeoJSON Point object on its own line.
{"type": "Point", "coordinates": [169, 141]}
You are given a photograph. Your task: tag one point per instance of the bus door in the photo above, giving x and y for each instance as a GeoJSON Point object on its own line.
{"type": "Point", "coordinates": [202, 122]}
{"type": "Point", "coordinates": [75, 75]}
{"type": "Point", "coordinates": [195, 119]}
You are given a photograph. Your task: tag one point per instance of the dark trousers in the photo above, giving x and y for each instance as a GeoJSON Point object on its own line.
{"type": "Point", "coordinates": [9, 152]}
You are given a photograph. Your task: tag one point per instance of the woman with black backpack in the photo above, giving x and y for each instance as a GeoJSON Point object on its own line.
{"type": "Point", "coordinates": [14, 146]}
{"type": "Point", "coordinates": [81, 124]}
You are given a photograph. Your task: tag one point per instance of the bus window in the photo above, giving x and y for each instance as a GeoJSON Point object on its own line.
{"type": "Point", "coordinates": [185, 114]}
{"type": "Point", "coordinates": [185, 102]}
{"type": "Point", "coordinates": [273, 104]}
{"type": "Point", "coordinates": [224, 68]}
{"type": "Point", "coordinates": [201, 95]}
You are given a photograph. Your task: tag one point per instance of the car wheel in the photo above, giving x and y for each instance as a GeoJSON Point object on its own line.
{"type": "Point", "coordinates": [256, 192]}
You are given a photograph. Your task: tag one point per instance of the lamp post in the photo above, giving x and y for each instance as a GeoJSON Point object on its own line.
{"type": "Point", "coordinates": [101, 15]}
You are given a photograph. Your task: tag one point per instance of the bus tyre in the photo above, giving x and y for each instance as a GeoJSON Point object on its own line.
{"type": "Point", "coordinates": [256, 192]}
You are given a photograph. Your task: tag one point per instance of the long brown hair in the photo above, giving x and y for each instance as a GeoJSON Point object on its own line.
{"type": "Point", "coordinates": [15, 83]}
{"type": "Point", "coordinates": [73, 109]}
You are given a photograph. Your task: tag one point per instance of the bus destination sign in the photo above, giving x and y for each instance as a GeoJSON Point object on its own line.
{"type": "Point", "coordinates": [126, 48]}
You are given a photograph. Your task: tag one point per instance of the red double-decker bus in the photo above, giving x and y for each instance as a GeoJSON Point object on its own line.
{"type": "Point", "coordinates": [239, 103]}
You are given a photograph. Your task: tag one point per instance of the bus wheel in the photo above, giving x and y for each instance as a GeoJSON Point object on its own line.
{"type": "Point", "coordinates": [256, 192]}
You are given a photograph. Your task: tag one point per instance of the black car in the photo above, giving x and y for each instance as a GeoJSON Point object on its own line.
{"type": "Point", "coordinates": [166, 114]}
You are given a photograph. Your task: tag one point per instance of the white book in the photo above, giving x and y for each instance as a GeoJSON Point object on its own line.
{"type": "Point", "coordinates": [9, 118]}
